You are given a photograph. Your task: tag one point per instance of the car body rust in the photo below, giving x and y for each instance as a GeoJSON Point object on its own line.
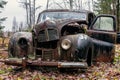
{"type": "Point", "coordinates": [65, 39]}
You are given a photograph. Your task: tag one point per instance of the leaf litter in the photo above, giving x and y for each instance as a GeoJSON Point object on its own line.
{"type": "Point", "coordinates": [99, 71]}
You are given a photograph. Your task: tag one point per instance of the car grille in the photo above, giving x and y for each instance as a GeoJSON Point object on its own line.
{"type": "Point", "coordinates": [47, 54]}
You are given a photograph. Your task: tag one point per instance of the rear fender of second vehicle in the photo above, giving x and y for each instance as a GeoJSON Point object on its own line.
{"type": "Point", "coordinates": [20, 45]}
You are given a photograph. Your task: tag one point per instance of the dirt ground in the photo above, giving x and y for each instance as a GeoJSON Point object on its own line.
{"type": "Point", "coordinates": [100, 71]}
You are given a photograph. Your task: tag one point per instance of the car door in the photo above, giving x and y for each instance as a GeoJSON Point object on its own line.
{"type": "Point", "coordinates": [103, 28]}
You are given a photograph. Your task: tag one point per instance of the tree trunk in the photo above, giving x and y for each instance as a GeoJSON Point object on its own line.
{"type": "Point", "coordinates": [118, 16]}
{"type": "Point", "coordinates": [27, 12]}
{"type": "Point", "coordinates": [47, 4]}
{"type": "Point", "coordinates": [30, 24]}
{"type": "Point", "coordinates": [71, 4]}
{"type": "Point", "coordinates": [89, 7]}
{"type": "Point", "coordinates": [34, 12]}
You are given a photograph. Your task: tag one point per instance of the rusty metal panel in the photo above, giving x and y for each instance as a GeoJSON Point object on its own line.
{"type": "Point", "coordinates": [46, 63]}
{"type": "Point", "coordinates": [103, 51]}
{"type": "Point", "coordinates": [103, 35]}
{"type": "Point", "coordinates": [20, 45]}
{"type": "Point", "coordinates": [48, 37]}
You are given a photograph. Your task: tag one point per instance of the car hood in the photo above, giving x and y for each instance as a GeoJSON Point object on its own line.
{"type": "Point", "coordinates": [58, 24]}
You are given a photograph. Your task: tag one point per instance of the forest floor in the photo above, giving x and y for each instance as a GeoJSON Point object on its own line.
{"type": "Point", "coordinates": [100, 71]}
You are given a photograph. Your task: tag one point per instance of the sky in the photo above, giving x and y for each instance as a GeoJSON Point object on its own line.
{"type": "Point", "coordinates": [14, 9]}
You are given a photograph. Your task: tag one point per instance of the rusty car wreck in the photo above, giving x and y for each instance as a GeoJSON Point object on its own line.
{"type": "Point", "coordinates": [65, 39]}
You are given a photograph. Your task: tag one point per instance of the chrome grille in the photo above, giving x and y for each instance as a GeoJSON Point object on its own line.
{"type": "Point", "coordinates": [47, 54]}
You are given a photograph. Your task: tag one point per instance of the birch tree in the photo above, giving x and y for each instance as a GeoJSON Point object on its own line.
{"type": "Point", "coordinates": [30, 7]}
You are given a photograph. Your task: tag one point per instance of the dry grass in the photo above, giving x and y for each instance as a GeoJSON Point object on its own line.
{"type": "Point", "coordinates": [4, 41]}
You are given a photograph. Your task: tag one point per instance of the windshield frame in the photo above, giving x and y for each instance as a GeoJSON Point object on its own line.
{"type": "Point", "coordinates": [83, 15]}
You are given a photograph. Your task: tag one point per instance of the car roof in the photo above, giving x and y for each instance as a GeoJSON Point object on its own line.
{"type": "Point", "coordinates": [68, 10]}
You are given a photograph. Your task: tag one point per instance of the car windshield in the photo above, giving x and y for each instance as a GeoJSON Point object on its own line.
{"type": "Point", "coordinates": [61, 15]}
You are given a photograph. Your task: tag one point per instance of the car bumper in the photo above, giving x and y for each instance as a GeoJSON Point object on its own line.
{"type": "Point", "coordinates": [24, 62]}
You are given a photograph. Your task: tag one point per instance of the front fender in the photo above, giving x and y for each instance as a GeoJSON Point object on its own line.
{"type": "Point", "coordinates": [84, 43]}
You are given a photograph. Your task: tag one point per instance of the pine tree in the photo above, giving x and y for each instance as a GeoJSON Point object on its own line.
{"type": "Point", "coordinates": [2, 4]}
{"type": "Point", "coordinates": [105, 6]}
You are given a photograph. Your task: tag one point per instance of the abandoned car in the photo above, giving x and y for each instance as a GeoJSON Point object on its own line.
{"type": "Point", "coordinates": [65, 39]}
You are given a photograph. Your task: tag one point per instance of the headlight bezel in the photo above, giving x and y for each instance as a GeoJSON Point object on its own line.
{"type": "Point", "coordinates": [66, 44]}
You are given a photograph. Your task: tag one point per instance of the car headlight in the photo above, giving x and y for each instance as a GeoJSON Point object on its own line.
{"type": "Point", "coordinates": [66, 44]}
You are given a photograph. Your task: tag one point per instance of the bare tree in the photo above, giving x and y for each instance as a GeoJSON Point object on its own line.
{"type": "Point", "coordinates": [27, 11]}
{"type": "Point", "coordinates": [30, 7]}
{"type": "Point", "coordinates": [64, 2]}
{"type": "Point", "coordinates": [77, 4]}
{"type": "Point", "coordinates": [67, 4]}
{"type": "Point", "coordinates": [30, 14]}
{"type": "Point", "coordinates": [14, 25]}
{"type": "Point", "coordinates": [34, 10]}
{"type": "Point", "coordinates": [71, 4]}
{"type": "Point", "coordinates": [21, 26]}
{"type": "Point", "coordinates": [47, 4]}
{"type": "Point", "coordinates": [25, 5]}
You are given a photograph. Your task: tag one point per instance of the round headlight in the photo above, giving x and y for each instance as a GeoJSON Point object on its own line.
{"type": "Point", "coordinates": [66, 44]}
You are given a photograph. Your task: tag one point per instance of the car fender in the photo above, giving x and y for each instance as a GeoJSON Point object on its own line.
{"type": "Point", "coordinates": [20, 44]}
